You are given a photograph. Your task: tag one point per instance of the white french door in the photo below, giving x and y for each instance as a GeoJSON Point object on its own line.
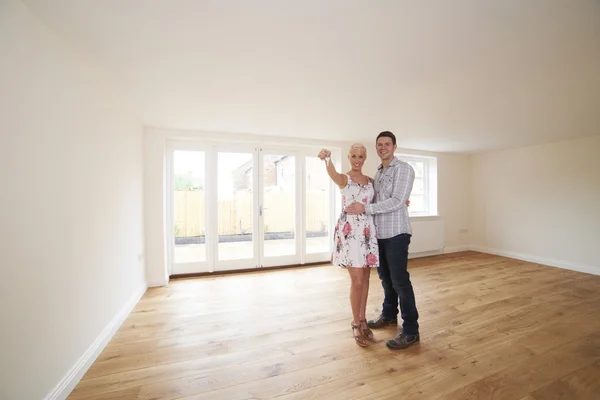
{"type": "Point", "coordinates": [243, 207]}
{"type": "Point", "coordinates": [237, 244]}
{"type": "Point", "coordinates": [189, 245]}
{"type": "Point", "coordinates": [279, 207]}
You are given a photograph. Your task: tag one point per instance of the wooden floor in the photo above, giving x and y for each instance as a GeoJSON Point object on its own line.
{"type": "Point", "coordinates": [491, 328]}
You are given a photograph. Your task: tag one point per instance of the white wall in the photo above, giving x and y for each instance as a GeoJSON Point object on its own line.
{"type": "Point", "coordinates": [71, 207]}
{"type": "Point", "coordinates": [540, 203]}
{"type": "Point", "coordinates": [454, 199]}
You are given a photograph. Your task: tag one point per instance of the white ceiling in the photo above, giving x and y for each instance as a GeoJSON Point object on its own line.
{"type": "Point", "coordinates": [444, 75]}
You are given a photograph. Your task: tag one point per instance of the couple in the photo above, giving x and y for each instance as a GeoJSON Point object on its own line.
{"type": "Point", "coordinates": [374, 231]}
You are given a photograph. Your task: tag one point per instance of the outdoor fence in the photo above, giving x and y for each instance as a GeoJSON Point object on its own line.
{"type": "Point", "coordinates": [235, 215]}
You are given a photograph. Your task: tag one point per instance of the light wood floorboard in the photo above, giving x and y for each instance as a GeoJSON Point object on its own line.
{"type": "Point", "coordinates": [491, 328]}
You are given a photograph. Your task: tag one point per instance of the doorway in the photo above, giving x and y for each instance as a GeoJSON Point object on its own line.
{"type": "Point", "coordinates": [244, 207]}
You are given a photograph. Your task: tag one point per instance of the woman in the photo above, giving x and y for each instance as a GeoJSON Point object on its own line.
{"type": "Point", "coordinates": [354, 237]}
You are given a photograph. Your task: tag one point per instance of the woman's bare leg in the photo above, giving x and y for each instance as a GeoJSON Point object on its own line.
{"type": "Point", "coordinates": [365, 293]}
{"type": "Point", "coordinates": [363, 303]}
{"type": "Point", "coordinates": [356, 293]}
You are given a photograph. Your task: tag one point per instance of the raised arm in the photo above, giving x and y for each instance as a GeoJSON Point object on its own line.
{"type": "Point", "coordinates": [339, 179]}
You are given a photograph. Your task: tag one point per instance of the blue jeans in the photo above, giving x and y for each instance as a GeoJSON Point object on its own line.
{"type": "Point", "coordinates": [395, 279]}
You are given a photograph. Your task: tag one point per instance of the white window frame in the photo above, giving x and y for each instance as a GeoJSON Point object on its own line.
{"type": "Point", "coordinates": [429, 183]}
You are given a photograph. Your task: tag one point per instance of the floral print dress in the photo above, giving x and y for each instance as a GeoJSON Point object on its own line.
{"type": "Point", "coordinates": [355, 242]}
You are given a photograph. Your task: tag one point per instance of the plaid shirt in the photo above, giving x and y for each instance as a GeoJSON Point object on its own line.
{"type": "Point", "coordinates": [392, 188]}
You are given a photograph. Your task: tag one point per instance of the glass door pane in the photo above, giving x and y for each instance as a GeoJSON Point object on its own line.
{"type": "Point", "coordinates": [318, 200]}
{"type": "Point", "coordinates": [189, 207]}
{"type": "Point", "coordinates": [235, 177]}
{"type": "Point", "coordinates": [278, 176]}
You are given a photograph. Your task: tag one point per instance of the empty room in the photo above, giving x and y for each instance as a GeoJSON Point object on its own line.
{"type": "Point", "coordinates": [273, 199]}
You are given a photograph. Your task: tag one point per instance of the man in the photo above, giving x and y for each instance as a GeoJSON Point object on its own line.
{"type": "Point", "coordinates": [393, 185]}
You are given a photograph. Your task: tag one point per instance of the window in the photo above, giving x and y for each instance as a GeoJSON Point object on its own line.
{"type": "Point", "coordinates": [423, 199]}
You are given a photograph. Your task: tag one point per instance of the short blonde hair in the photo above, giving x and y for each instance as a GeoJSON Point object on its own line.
{"type": "Point", "coordinates": [358, 146]}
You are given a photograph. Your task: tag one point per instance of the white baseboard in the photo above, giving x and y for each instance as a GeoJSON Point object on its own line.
{"type": "Point", "coordinates": [456, 249]}
{"type": "Point", "coordinates": [158, 283]}
{"type": "Point", "coordinates": [424, 254]}
{"type": "Point", "coordinates": [445, 250]}
{"type": "Point", "coordinates": [588, 269]}
{"type": "Point", "coordinates": [70, 380]}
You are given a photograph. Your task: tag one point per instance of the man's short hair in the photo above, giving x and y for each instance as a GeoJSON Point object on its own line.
{"type": "Point", "coordinates": [387, 134]}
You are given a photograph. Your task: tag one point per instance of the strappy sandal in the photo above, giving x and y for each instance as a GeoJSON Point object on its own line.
{"type": "Point", "coordinates": [360, 338]}
{"type": "Point", "coordinates": [366, 331]}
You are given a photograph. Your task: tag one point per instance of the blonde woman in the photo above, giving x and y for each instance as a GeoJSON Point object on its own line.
{"type": "Point", "coordinates": [355, 244]}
